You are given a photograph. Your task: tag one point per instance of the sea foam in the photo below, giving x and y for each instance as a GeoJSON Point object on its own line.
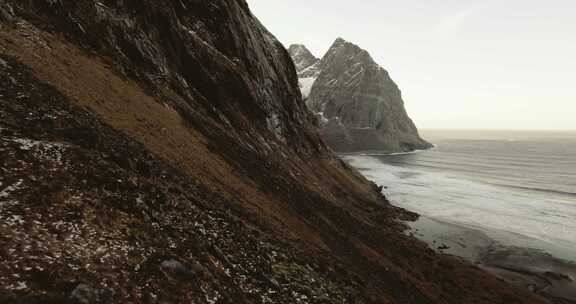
{"type": "Point", "coordinates": [513, 217]}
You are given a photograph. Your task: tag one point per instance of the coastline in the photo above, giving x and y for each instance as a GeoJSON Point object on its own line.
{"type": "Point", "coordinates": [380, 153]}
{"type": "Point", "coordinates": [537, 271]}
{"type": "Point", "coordinates": [547, 274]}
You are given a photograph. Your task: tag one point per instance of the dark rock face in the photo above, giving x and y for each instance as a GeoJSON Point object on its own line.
{"type": "Point", "coordinates": [359, 106]}
{"type": "Point", "coordinates": [157, 151]}
{"type": "Point", "coordinates": [187, 51]}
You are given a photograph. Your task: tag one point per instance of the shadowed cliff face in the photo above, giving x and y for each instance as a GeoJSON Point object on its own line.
{"type": "Point", "coordinates": [188, 52]}
{"type": "Point", "coordinates": [160, 152]}
{"type": "Point", "coordinates": [358, 104]}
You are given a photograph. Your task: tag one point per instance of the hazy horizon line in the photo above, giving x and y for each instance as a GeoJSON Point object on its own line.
{"type": "Point", "coordinates": [497, 129]}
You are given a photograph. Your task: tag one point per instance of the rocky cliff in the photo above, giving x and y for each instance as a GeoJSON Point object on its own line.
{"type": "Point", "coordinates": [359, 106]}
{"type": "Point", "coordinates": [306, 66]}
{"type": "Point", "coordinates": [302, 57]}
{"type": "Point", "coordinates": [160, 152]}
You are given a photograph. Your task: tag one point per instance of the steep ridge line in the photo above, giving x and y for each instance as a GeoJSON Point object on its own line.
{"type": "Point", "coordinates": [358, 105]}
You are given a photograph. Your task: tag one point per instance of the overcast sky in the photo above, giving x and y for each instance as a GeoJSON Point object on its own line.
{"type": "Point", "coordinates": [492, 64]}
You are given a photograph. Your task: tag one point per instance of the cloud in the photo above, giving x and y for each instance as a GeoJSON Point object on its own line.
{"type": "Point", "coordinates": [453, 23]}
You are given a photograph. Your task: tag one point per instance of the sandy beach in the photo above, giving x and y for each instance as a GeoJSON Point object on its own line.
{"type": "Point", "coordinates": [540, 272]}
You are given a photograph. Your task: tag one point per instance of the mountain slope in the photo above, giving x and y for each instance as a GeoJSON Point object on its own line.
{"type": "Point", "coordinates": [160, 152]}
{"type": "Point", "coordinates": [306, 66]}
{"type": "Point", "coordinates": [302, 57]}
{"type": "Point", "coordinates": [359, 106]}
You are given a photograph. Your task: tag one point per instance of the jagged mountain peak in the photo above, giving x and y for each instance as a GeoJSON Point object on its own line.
{"type": "Point", "coordinates": [343, 50]}
{"type": "Point", "coordinates": [339, 42]}
{"type": "Point", "coordinates": [360, 107]}
{"type": "Point", "coordinates": [302, 57]}
{"type": "Point", "coordinates": [298, 48]}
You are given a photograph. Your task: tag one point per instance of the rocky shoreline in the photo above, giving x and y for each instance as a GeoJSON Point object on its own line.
{"type": "Point", "coordinates": [534, 270]}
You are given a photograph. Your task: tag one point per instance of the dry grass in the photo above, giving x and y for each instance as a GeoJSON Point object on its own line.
{"type": "Point", "coordinates": [121, 103]}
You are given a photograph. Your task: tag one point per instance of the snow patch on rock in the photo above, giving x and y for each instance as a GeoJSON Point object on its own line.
{"type": "Point", "coordinates": [306, 85]}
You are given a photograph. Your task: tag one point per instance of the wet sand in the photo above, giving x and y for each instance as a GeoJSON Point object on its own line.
{"type": "Point", "coordinates": [535, 270]}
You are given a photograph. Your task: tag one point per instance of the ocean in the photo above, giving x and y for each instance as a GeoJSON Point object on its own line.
{"type": "Point", "coordinates": [516, 187]}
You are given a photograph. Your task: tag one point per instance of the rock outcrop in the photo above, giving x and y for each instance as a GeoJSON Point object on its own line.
{"type": "Point", "coordinates": [358, 105]}
{"type": "Point", "coordinates": [159, 151]}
